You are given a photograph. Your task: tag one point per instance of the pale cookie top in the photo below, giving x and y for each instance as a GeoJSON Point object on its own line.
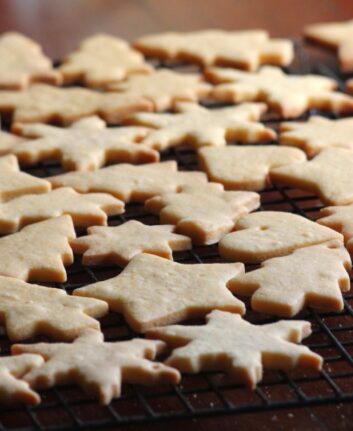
{"type": "Point", "coordinates": [85, 210]}
{"type": "Point", "coordinates": [14, 183]}
{"type": "Point", "coordinates": [231, 344]}
{"type": "Point", "coordinates": [244, 49]}
{"type": "Point", "coordinates": [153, 291]}
{"type": "Point", "coordinates": [119, 244]}
{"type": "Point", "coordinates": [42, 103]}
{"type": "Point", "coordinates": [329, 175]}
{"type": "Point", "coordinates": [318, 133]}
{"type": "Point", "coordinates": [199, 126]}
{"type": "Point", "coordinates": [311, 276]}
{"type": "Point", "coordinates": [340, 219]}
{"type": "Point", "coordinates": [39, 252]}
{"type": "Point", "coordinates": [86, 145]}
{"type": "Point", "coordinates": [289, 95]}
{"type": "Point", "coordinates": [205, 213]}
{"type": "Point", "coordinates": [131, 183]}
{"type": "Point", "coordinates": [245, 168]}
{"type": "Point", "coordinates": [165, 87]}
{"type": "Point", "coordinates": [337, 35]}
{"type": "Point", "coordinates": [8, 141]}
{"type": "Point", "coordinates": [13, 389]}
{"type": "Point", "coordinates": [23, 62]}
{"type": "Point", "coordinates": [100, 60]}
{"type": "Point", "coordinates": [109, 364]}
{"type": "Point", "coordinates": [27, 310]}
{"type": "Point", "coordinates": [267, 234]}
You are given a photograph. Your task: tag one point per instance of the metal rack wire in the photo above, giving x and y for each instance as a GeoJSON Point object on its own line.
{"type": "Point", "coordinates": [206, 394]}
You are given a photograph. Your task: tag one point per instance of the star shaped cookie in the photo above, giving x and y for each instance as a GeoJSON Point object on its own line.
{"type": "Point", "coordinates": [329, 175]}
{"type": "Point", "coordinates": [266, 234]}
{"type": "Point", "coordinates": [131, 183]}
{"type": "Point", "coordinates": [231, 344]}
{"type": "Point", "coordinates": [39, 252]}
{"type": "Point", "coordinates": [318, 133]}
{"type": "Point", "coordinates": [100, 60]}
{"type": "Point", "coordinates": [199, 126]}
{"type": "Point", "coordinates": [14, 183]}
{"type": "Point", "coordinates": [85, 209]}
{"type": "Point", "coordinates": [311, 276]}
{"type": "Point", "coordinates": [23, 62]}
{"type": "Point", "coordinates": [119, 244]}
{"type": "Point", "coordinates": [289, 95]}
{"type": "Point", "coordinates": [243, 49]}
{"type": "Point", "coordinates": [205, 213]}
{"type": "Point", "coordinates": [337, 35]}
{"type": "Point", "coordinates": [28, 310]}
{"type": "Point", "coordinates": [13, 389]}
{"type": "Point", "coordinates": [153, 291]}
{"type": "Point", "coordinates": [85, 146]}
{"type": "Point", "coordinates": [245, 168]}
{"type": "Point", "coordinates": [164, 88]}
{"type": "Point", "coordinates": [8, 141]}
{"type": "Point", "coordinates": [339, 218]}
{"type": "Point", "coordinates": [109, 365]}
{"type": "Point", "coordinates": [41, 103]}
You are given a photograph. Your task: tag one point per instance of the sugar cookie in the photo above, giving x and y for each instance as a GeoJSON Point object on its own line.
{"type": "Point", "coordinates": [245, 168]}
{"type": "Point", "coordinates": [109, 364]}
{"type": "Point", "coordinates": [205, 213]}
{"type": "Point", "coordinates": [231, 344]}
{"type": "Point", "coordinates": [153, 291]}
{"type": "Point", "coordinates": [268, 234]}
{"type": "Point", "coordinates": [119, 244]}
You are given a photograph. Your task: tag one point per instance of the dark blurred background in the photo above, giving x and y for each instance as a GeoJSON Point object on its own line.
{"type": "Point", "coordinates": [59, 24]}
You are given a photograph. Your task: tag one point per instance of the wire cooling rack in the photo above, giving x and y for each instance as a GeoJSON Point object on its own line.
{"type": "Point", "coordinates": [205, 394]}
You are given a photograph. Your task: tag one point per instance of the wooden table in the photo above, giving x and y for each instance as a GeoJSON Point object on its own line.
{"type": "Point", "coordinates": [59, 24]}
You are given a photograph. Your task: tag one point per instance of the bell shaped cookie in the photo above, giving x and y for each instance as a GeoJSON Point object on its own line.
{"type": "Point", "coordinates": [266, 234]}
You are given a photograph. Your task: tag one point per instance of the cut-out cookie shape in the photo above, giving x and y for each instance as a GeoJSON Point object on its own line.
{"type": "Point", "coordinates": [329, 175]}
{"type": "Point", "coordinates": [109, 365]}
{"type": "Point", "coordinates": [42, 103]}
{"type": "Point", "coordinates": [164, 88]}
{"type": "Point", "coordinates": [245, 168]}
{"type": "Point", "coordinates": [27, 310]}
{"type": "Point", "coordinates": [311, 276]}
{"type": "Point", "coordinates": [14, 183]}
{"type": "Point", "coordinates": [131, 183]}
{"type": "Point", "coordinates": [23, 62]}
{"type": "Point", "coordinates": [119, 244]}
{"type": "Point", "coordinates": [244, 49]}
{"type": "Point", "coordinates": [39, 252]}
{"type": "Point", "coordinates": [318, 133]}
{"type": "Point", "coordinates": [13, 389]}
{"type": "Point", "coordinates": [204, 213]}
{"type": "Point", "coordinates": [153, 291]}
{"type": "Point", "coordinates": [86, 210]}
{"type": "Point", "coordinates": [337, 35]}
{"type": "Point", "coordinates": [199, 126]}
{"type": "Point", "coordinates": [267, 234]}
{"type": "Point", "coordinates": [231, 344]}
{"type": "Point", "coordinates": [100, 60]}
{"type": "Point", "coordinates": [339, 218]}
{"type": "Point", "coordinates": [87, 145]}
{"type": "Point", "coordinates": [8, 141]}
{"type": "Point", "coordinates": [289, 95]}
